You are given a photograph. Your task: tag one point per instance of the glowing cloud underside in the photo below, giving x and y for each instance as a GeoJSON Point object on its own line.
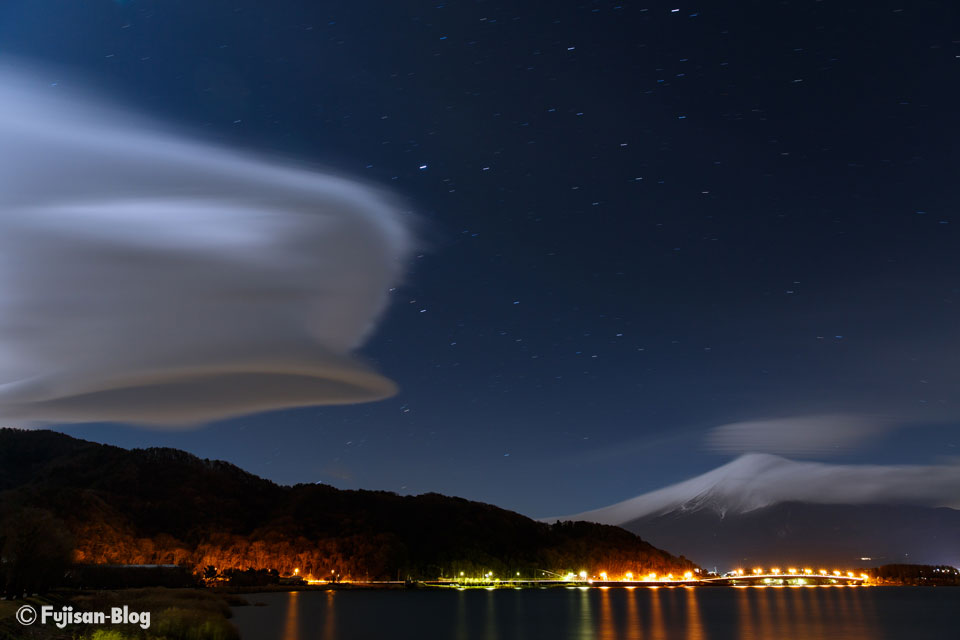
{"type": "Point", "coordinates": [148, 279]}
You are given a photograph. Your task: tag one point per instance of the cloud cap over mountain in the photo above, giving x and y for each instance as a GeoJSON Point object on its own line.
{"type": "Point", "coordinates": [799, 435]}
{"type": "Point", "coordinates": [755, 480]}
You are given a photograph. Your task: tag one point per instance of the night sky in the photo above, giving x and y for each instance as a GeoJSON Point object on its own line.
{"type": "Point", "coordinates": [636, 222]}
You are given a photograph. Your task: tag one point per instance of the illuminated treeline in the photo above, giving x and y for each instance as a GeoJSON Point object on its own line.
{"type": "Point", "coordinates": [374, 556]}
{"type": "Point", "coordinates": [354, 556]}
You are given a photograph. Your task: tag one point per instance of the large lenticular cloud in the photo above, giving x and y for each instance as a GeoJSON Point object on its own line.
{"type": "Point", "coordinates": [148, 279]}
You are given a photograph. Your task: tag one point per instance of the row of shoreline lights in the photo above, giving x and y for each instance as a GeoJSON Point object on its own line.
{"type": "Point", "coordinates": [806, 572]}
{"type": "Point", "coordinates": [627, 577]}
{"type": "Point", "coordinates": [603, 577]}
{"type": "Point", "coordinates": [653, 577]}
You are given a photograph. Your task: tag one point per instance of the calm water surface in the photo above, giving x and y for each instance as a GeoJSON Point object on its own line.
{"type": "Point", "coordinates": [705, 613]}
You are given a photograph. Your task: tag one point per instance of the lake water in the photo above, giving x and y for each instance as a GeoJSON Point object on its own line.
{"type": "Point", "coordinates": [704, 613]}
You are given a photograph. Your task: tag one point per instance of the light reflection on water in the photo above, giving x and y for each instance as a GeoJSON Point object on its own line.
{"type": "Point", "coordinates": [607, 630]}
{"type": "Point", "coordinates": [704, 613]}
{"type": "Point", "coordinates": [694, 625]}
{"type": "Point", "coordinates": [657, 631]}
{"type": "Point", "coordinates": [292, 628]}
{"type": "Point", "coordinates": [633, 616]}
{"type": "Point", "coordinates": [806, 612]}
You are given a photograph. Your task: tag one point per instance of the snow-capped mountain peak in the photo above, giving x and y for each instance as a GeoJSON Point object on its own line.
{"type": "Point", "coordinates": [757, 480]}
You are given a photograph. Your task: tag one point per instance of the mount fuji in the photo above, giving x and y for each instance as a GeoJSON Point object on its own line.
{"type": "Point", "coordinates": [761, 509]}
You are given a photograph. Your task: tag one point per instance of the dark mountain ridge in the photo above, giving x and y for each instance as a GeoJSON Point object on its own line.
{"type": "Point", "coordinates": [160, 506]}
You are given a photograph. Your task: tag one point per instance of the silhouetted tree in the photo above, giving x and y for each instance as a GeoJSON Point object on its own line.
{"type": "Point", "coordinates": [35, 552]}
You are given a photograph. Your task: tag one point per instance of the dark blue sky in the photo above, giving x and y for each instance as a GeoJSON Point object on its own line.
{"type": "Point", "coordinates": [638, 222]}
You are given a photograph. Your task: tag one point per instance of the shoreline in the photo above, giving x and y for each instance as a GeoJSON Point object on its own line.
{"type": "Point", "coordinates": [240, 591]}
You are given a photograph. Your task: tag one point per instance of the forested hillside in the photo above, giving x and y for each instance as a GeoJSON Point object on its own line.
{"type": "Point", "coordinates": [164, 506]}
